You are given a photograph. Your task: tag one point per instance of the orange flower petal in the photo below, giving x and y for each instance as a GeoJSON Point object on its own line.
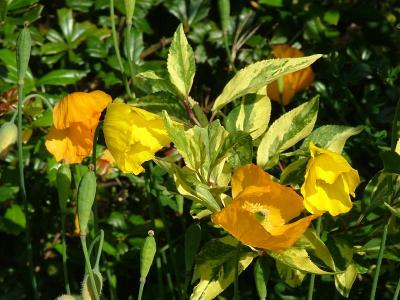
{"type": "Point", "coordinates": [80, 107]}
{"type": "Point", "coordinates": [248, 175]}
{"type": "Point", "coordinates": [72, 144]}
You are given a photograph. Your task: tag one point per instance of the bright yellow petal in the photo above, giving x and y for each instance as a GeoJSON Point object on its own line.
{"type": "Point", "coordinates": [71, 145]}
{"type": "Point", "coordinates": [80, 107]}
{"type": "Point", "coordinates": [332, 198]}
{"type": "Point", "coordinates": [249, 175]}
{"type": "Point", "coordinates": [133, 135]}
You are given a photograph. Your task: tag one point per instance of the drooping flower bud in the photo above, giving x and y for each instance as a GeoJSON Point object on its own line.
{"type": "Point", "coordinates": [8, 135]}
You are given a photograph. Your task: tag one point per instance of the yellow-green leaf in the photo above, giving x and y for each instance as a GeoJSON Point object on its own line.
{"type": "Point", "coordinates": [252, 115]}
{"type": "Point", "coordinates": [332, 137]}
{"type": "Point", "coordinates": [286, 131]}
{"type": "Point", "coordinates": [257, 75]}
{"type": "Point", "coordinates": [344, 281]}
{"type": "Point", "coordinates": [181, 64]}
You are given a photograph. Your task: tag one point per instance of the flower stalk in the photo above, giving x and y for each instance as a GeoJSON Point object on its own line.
{"type": "Point", "coordinates": [312, 279]}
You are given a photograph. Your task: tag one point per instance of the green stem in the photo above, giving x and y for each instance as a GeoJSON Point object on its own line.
{"type": "Point", "coordinates": [396, 293]}
{"type": "Point", "coordinates": [97, 264]}
{"type": "Point", "coordinates": [130, 59]}
{"type": "Point", "coordinates": [48, 104]}
{"type": "Point", "coordinates": [89, 267]}
{"type": "Point", "coordinates": [64, 254]}
{"type": "Point", "coordinates": [229, 53]}
{"type": "Point", "coordinates": [94, 157]}
{"type": "Point", "coordinates": [23, 191]}
{"type": "Point", "coordinates": [236, 278]}
{"type": "Point", "coordinates": [312, 279]}
{"type": "Point", "coordinates": [379, 262]}
{"type": "Point", "coordinates": [141, 287]}
{"type": "Point", "coordinates": [117, 53]}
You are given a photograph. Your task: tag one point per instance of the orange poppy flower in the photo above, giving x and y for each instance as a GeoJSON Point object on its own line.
{"type": "Point", "coordinates": [75, 119]}
{"type": "Point", "coordinates": [291, 83]}
{"type": "Point", "coordinates": [261, 210]}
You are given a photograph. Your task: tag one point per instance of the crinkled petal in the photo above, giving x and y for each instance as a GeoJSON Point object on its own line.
{"type": "Point", "coordinates": [249, 175]}
{"type": "Point", "coordinates": [72, 144]}
{"type": "Point", "coordinates": [332, 198]}
{"type": "Point", "coordinates": [80, 107]}
{"type": "Point", "coordinates": [133, 135]}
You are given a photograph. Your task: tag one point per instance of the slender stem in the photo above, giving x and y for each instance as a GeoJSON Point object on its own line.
{"type": "Point", "coordinates": [141, 286]}
{"type": "Point", "coordinates": [117, 53]}
{"type": "Point", "coordinates": [130, 59]}
{"type": "Point", "coordinates": [396, 293]}
{"type": "Point", "coordinates": [94, 157]}
{"type": "Point", "coordinates": [379, 262]}
{"type": "Point", "coordinates": [190, 112]}
{"type": "Point", "coordinates": [312, 279]}
{"type": "Point", "coordinates": [64, 254]}
{"type": "Point", "coordinates": [236, 278]}
{"type": "Point", "coordinates": [23, 191]}
{"type": "Point", "coordinates": [48, 104]}
{"type": "Point", "coordinates": [97, 264]}
{"type": "Point", "coordinates": [229, 53]}
{"type": "Point", "coordinates": [89, 267]}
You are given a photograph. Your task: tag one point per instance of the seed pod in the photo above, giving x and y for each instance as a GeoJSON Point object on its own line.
{"type": "Point", "coordinates": [63, 186]}
{"type": "Point", "coordinates": [86, 195]}
{"type": "Point", "coordinates": [8, 135]}
{"type": "Point", "coordinates": [224, 12]}
{"type": "Point", "coordinates": [147, 255]}
{"type": "Point", "coordinates": [87, 291]}
{"type": "Point", "coordinates": [129, 10]}
{"type": "Point", "coordinates": [24, 44]}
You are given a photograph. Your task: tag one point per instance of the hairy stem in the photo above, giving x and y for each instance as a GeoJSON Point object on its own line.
{"type": "Point", "coordinates": [89, 267]}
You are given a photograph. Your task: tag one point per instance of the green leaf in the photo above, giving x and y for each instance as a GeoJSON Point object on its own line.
{"type": "Point", "coordinates": [394, 211]}
{"type": "Point", "coordinates": [391, 162]}
{"type": "Point", "coordinates": [258, 75]}
{"type": "Point", "coordinates": [16, 216]}
{"type": "Point", "coordinates": [62, 77]}
{"type": "Point", "coordinates": [331, 137]}
{"type": "Point", "coordinates": [382, 187]}
{"type": "Point", "coordinates": [66, 22]}
{"type": "Point", "coordinates": [190, 187]}
{"type": "Point", "coordinates": [298, 258]}
{"type": "Point", "coordinates": [181, 64]}
{"type": "Point", "coordinates": [215, 267]}
{"type": "Point", "coordinates": [274, 3]}
{"type": "Point", "coordinates": [332, 17]}
{"type": "Point", "coordinates": [286, 131]}
{"type": "Point", "coordinates": [251, 116]}
{"type": "Point", "coordinates": [344, 281]}
{"type": "Point", "coordinates": [192, 244]}
{"type": "Point", "coordinates": [262, 272]}
{"type": "Point", "coordinates": [205, 150]}
{"type": "Point", "coordinates": [153, 83]}
{"type": "Point", "coordinates": [290, 276]}
{"type": "Point", "coordinates": [314, 245]}
{"type": "Point", "coordinates": [294, 173]}
{"type": "Point", "coordinates": [7, 192]}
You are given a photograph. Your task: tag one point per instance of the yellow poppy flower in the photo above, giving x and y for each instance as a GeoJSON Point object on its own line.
{"type": "Point", "coordinates": [261, 210]}
{"type": "Point", "coordinates": [75, 119]}
{"type": "Point", "coordinates": [133, 135]}
{"type": "Point", "coordinates": [329, 182]}
{"type": "Point", "coordinates": [291, 83]}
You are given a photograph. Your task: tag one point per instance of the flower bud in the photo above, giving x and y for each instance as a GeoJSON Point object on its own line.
{"type": "Point", "coordinates": [86, 195]}
{"type": "Point", "coordinates": [63, 186]}
{"type": "Point", "coordinates": [147, 255]}
{"type": "Point", "coordinates": [87, 291]}
{"type": "Point", "coordinates": [8, 135]}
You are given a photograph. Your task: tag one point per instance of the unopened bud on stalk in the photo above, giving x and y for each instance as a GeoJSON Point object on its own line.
{"type": "Point", "coordinates": [86, 196]}
{"type": "Point", "coordinates": [8, 135]}
{"type": "Point", "coordinates": [147, 255]}
{"type": "Point", "coordinates": [87, 291]}
{"type": "Point", "coordinates": [129, 9]}
{"type": "Point", "coordinates": [63, 186]}
{"type": "Point", "coordinates": [68, 297]}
